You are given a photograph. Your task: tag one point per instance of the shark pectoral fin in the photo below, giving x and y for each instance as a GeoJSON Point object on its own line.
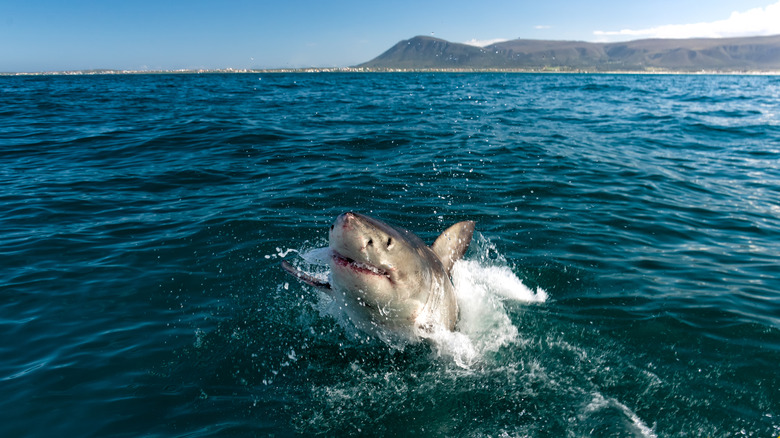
{"type": "Point", "coordinates": [453, 243]}
{"type": "Point", "coordinates": [304, 277]}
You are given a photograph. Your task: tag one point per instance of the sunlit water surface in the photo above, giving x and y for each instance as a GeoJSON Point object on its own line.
{"type": "Point", "coordinates": [623, 280]}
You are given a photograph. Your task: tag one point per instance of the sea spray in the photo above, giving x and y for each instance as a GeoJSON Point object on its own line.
{"type": "Point", "coordinates": [484, 325]}
{"type": "Point", "coordinates": [482, 286]}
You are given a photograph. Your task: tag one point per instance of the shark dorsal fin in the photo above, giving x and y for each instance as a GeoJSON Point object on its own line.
{"type": "Point", "coordinates": [453, 243]}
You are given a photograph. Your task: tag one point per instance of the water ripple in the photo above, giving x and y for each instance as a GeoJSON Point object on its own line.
{"type": "Point", "coordinates": [144, 217]}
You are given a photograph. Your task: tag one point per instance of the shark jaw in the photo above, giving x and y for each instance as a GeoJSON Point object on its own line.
{"type": "Point", "coordinates": [359, 267]}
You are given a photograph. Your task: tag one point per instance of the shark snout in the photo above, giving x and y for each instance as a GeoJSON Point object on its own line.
{"type": "Point", "coordinates": [359, 237]}
{"type": "Point", "coordinates": [346, 234]}
{"type": "Point", "coordinates": [343, 228]}
{"type": "Point", "coordinates": [348, 218]}
{"type": "Point", "coordinates": [344, 220]}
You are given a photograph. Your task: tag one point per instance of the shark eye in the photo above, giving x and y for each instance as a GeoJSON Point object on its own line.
{"type": "Point", "coordinates": [389, 242]}
{"type": "Point", "coordinates": [331, 227]}
{"type": "Point", "coordinates": [370, 242]}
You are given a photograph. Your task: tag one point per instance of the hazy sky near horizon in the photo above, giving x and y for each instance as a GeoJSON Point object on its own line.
{"type": "Point", "coordinates": [51, 35]}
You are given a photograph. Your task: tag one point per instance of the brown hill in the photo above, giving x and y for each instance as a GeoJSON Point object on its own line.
{"type": "Point", "coordinates": [428, 52]}
{"type": "Point", "coordinates": [681, 55]}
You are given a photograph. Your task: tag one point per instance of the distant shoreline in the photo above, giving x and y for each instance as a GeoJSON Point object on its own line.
{"type": "Point", "coordinates": [390, 70]}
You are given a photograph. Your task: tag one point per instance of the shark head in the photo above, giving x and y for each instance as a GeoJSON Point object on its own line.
{"type": "Point", "coordinates": [374, 258]}
{"type": "Point", "coordinates": [395, 278]}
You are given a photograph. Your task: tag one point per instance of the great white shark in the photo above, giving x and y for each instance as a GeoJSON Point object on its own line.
{"type": "Point", "coordinates": [389, 275]}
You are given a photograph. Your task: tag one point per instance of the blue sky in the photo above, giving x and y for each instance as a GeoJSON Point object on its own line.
{"type": "Point", "coordinates": [48, 35]}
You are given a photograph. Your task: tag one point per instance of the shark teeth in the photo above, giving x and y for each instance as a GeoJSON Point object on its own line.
{"type": "Point", "coordinates": [359, 266]}
{"type": "Point", "coordinates": [368, 267]}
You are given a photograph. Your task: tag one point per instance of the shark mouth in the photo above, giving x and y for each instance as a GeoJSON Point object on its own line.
{"type": "Point", "coordinates": [360, 267]}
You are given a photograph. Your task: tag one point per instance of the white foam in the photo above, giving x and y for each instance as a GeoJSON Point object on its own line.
{"type": "Point", "coordinates": [484, 325]}
{"type": "Point", "coordinates": [317, 256]}
{"type": "Point", "coordinates": [471, 276]}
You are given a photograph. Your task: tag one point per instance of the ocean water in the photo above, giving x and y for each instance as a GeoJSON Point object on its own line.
{"type": "Point", "coordinates": [624, 279]}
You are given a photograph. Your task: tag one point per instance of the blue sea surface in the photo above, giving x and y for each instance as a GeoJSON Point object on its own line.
{"type": "Point", "coordinates": [624, 279]}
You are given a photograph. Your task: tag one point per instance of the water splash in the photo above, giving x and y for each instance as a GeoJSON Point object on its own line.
{"type": "Point", "coordinates": [484, 325]}
{"type": "Point", "coordinates": [482, 287]}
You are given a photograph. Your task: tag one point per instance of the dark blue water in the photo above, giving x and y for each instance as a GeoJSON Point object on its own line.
{"type": "Point", "coordinates": [143, 219]}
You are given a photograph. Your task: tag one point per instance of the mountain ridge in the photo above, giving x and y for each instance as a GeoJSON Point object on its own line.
{"type": "Point", "coordinates": [672, 55]}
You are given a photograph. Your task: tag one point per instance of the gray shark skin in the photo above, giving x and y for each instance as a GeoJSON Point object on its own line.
{"type": "Point", "coordinates": [389, 275]}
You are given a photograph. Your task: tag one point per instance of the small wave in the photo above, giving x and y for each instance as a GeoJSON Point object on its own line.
{"type": "Point", "coordinates": [608, 415]}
